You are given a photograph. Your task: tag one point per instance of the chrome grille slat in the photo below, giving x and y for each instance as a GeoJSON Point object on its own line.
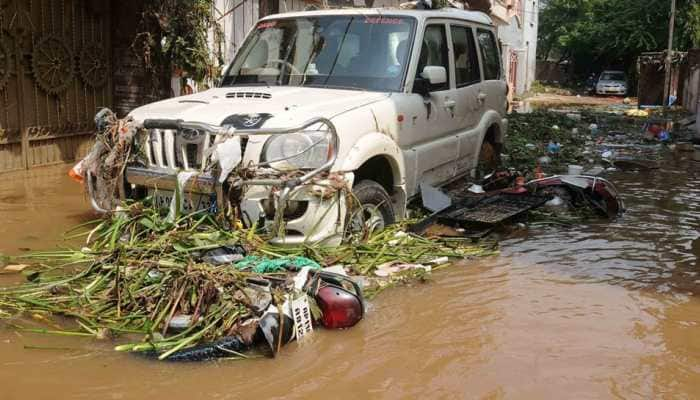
{"type": "Point", "coordinates": [167, 149]}
{"type": "Point", "coordinates": [157, 147]}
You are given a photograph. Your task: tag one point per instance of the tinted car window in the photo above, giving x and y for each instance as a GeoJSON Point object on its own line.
{"type": "Point", "coordinates": [434, 52]}
{"type": "Point", "coordinates": [466, 62]}
{"type": "Point", "coordinates": [489, 54]}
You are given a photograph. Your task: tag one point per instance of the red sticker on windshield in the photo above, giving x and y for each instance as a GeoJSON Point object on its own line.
{"type": "Point", "coordinates": [383, 20]}
{"type": "Point", "coordinates": [267, 24]}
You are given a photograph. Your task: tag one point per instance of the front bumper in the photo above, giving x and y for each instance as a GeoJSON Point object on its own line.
{"type": "Point", "coordinates": [321, 219]}
{"type": "Point", "coordinates": [612, 90]}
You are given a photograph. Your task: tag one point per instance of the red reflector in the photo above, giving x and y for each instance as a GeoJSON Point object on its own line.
{"type": "Point", "coordinates": [400, 118]}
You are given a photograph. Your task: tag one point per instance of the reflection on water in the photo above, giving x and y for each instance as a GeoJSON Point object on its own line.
{"type": "Point", "coordinates": [654, 245]}
{"type": "Point", "coordinates": [595, 311]}
{"type": "Point", "coordinates": [36, 208]}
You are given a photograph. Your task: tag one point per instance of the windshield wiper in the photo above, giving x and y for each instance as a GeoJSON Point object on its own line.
{"type": "Point", "coordinates": [326, 86]}
{"type": "Point", "coordinates": [337, 54]}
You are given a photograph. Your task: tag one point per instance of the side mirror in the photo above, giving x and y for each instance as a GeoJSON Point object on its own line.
{"type": "Point", "coordinates": [421, 87]}
{"type": "Point", "coordinates": [435, 75]}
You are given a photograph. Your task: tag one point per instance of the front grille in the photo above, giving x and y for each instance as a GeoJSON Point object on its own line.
{"type": "Point", "coordinates": [177, 150]}
{"type": "Point", "coordinates": [244, 143]}
{"type": "Point", "coordinates": [168, 149]}
{"type": "Point", "coordinates": [248, 95]}
{"type": "Point", "coordinates": [192, 152]}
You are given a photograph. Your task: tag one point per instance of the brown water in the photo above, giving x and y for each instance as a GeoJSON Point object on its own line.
{"type": "Point", "coordinates": [603, 310]}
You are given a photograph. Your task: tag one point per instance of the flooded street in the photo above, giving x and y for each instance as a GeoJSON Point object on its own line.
{"type": "Point", "coordinates": [602, 310]}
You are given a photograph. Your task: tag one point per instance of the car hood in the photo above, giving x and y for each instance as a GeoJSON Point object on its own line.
{"type": "Point", "coordinates": [285, 105]}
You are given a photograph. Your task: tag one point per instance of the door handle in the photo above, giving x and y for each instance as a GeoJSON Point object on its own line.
{"type": "Point", "coordinates": [450, 104]}
{"type": "Point", "coordinates": [481, 97]}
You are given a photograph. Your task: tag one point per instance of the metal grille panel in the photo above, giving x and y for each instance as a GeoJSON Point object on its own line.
{"type": "Point", "coordinates": [46, 114]}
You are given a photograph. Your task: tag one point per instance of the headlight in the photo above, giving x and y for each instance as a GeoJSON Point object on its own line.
{"type": "Point", "coordinates": [302, 150]}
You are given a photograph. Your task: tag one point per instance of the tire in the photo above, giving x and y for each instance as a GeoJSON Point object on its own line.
{"type": "Point", "coordinates": [372, 202]}
{"type": "Point", "coordinates": [489, 156]}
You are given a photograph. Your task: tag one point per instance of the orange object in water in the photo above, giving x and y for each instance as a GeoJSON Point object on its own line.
{"type": "Point", "coordinates": [520, 181]}
{"type": "Point", "coordinates": [76, 173]}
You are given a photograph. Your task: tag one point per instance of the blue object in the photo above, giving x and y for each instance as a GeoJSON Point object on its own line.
{"type": "Point", "coordinates": [553, 148]}
{"type": "Point", "coordinates": [664, 136]}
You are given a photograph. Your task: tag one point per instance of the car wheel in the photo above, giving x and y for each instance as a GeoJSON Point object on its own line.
{"type": "Point", "coordinates": [372, 209]}
{"type": "Point", "coordinates": [489, 156]}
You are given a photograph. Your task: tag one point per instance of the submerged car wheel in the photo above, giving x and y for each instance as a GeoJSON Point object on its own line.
{"type": "Point", "coordinates": [372, 210]}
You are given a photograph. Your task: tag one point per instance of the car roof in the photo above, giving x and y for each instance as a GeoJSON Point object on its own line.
{"type": "Point", "coordinates": [447, 12]}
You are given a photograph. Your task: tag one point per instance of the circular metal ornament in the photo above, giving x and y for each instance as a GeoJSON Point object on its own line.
{"type": "Point", "coordinates": [4, 64]}
{"type": "Point", "coordinates": [52, 65]}
{"type": "Point", "coordinates": [92, 65]}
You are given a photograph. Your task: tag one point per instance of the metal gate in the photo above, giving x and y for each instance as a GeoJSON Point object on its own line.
{"type": "Point", "coordinates": [54, 74]}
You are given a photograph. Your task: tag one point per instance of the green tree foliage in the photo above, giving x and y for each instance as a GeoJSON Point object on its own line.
{"type": "Point", "coordinates": [693, 24]}
{"type": "Point", "coordinates": [596, 34]}
{"type": "Point", "coordinates": [175, 38]}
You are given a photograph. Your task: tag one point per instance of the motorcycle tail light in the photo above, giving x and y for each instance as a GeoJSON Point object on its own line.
{"type": "Point", "coordinates": [340, 308]}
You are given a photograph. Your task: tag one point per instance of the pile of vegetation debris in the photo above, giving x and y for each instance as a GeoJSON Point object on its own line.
{"type": "Point", "coordinates": [194, 289]}
{"type": "Point", "coordinates": [552, 140]}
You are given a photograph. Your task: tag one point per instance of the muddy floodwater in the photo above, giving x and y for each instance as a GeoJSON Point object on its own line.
{"type": "Point", "coordinates": [597, 311]}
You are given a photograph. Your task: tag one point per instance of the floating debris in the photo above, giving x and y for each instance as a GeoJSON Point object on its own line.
{"type": "Point", "coordinates": [169, 285]}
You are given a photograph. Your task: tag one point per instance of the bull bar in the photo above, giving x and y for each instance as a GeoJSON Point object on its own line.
{"type": "Point", "coordinates": [207, 183]}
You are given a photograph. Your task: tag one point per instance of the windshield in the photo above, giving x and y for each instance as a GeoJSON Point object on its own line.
{"type": "Point", "coordinates": [342, 51]}
{"type": "Point", "coordinates": [612, 76]}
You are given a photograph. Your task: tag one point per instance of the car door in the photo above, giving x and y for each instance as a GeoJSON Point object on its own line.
{"type": "Point", "coordinates": [430, 145]}
{"type": "Point", "coordinates": [467, 84]}
{"type": "Point", "coordinates": [492, 90]}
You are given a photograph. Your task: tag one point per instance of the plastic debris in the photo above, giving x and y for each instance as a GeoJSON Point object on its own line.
{"type": "Point", "coordinates": [555, 202]}
{"type": "Point", "coordinates": [336, 269]}
{"type": "Point", "coordinates": [228, 154]}
{"type": "Point", "coordinates": [180, 322]}
{"type": "Point", "coordinates": [261, 265]}
{"type": "Point", "coordinates": [593, 128]}
{"type": "Point", "coordinates": [433, 198]}
{"type": "Point", "coordinates": [176, 203]}
{"type": "Point", "coordinates": [575, 169]}
{"type": "Point", "coordinates": [256, 294]}
{"type": "Point", "coordinates": [224, 255]}
{"type": "Point", "coordinates": [440, 260]}
{"type": "Point", "coordinates": [476, 189]}
{"type": "Point", "coordinates": [553, 147]}
{"type": "Point", "coordinates": [392, 267]}
{"type": "Point", "coordinates": [77, 173]}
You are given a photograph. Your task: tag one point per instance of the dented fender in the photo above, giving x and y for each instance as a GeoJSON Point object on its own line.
{"type": "Point", "coordinates": [371, 145]}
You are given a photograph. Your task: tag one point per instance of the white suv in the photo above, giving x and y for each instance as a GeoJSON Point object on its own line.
{"type": "Point", "coordinates": [376, 100]}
